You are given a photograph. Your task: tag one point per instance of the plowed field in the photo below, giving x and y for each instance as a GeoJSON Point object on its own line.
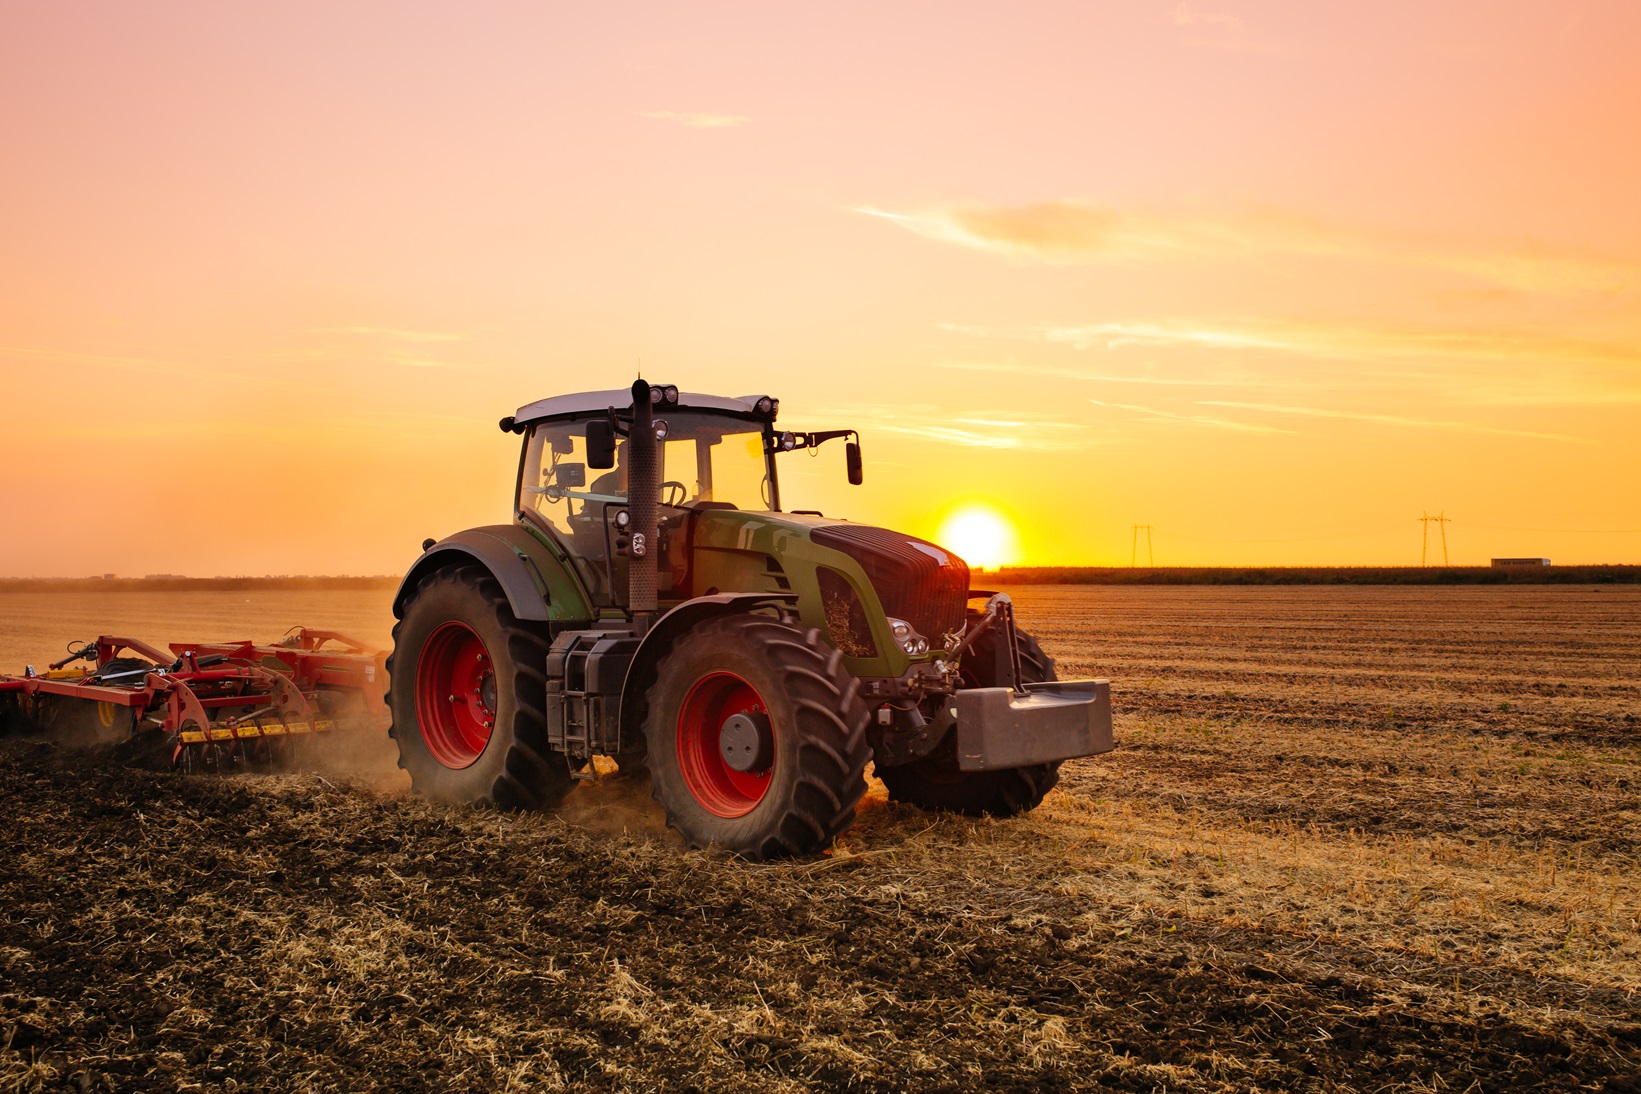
{"type": "Point", "coordinates": [1352, 838]}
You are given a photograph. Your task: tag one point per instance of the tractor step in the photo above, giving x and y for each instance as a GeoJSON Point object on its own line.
{"type": "Point", "coordinates": [585, 673]}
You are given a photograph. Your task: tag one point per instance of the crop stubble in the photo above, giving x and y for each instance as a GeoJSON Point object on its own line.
{"type": "Point", "coordinates": [1371, 838]}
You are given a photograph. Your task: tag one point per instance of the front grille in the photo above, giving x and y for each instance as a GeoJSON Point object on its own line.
{"type": "Point", "coordinates": [845, 614]}
{"type": "Point", "coordinates": [923, 584]}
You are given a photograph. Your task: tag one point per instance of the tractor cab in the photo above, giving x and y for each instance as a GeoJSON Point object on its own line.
{"type": "Point", "coordinates": [711, 454]}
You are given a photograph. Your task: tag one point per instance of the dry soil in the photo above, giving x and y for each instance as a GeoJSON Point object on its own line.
{"type": "Point", "coordinates": [1352, 838]}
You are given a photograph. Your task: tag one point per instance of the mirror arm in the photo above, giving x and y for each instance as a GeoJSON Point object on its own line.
{"type": "Point", "coordinates": [809, 440]}
{"type": "Point", "coordinates": [828, 435]}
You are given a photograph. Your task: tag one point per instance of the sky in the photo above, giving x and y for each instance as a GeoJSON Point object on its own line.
{"type": "Point", "coordinates": [1275, 278]}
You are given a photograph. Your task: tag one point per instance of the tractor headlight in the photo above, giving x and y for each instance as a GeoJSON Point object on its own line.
{"type": "Point", "coordinates": [789, 441]}
{"type": "Point", "coordinates": [660, 429]}
{"type": "Point", "coordinates": [907, 638]}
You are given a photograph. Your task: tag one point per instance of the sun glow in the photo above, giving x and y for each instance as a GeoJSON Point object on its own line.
{"type": "Point", "coordinates": [982, 536]}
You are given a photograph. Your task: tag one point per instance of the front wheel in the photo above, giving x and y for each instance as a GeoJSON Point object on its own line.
{"type": "Point", "coordinates": [756, 738]}
{"type": "Point", "coordinates": [468, 692]}
{"type": "Point", "coordinates": [935, 782]}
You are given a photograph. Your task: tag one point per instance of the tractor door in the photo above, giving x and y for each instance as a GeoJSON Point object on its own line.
{"type": "Point", "coordinates": [559, 493]}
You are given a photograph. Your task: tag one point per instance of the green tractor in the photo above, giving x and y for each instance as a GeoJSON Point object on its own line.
{"type": "Point", "coordinates": [653, 603]}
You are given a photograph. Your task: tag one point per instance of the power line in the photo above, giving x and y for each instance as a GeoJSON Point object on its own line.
{"type": "Point", "coordinates": [1441, 521]}
{"type": "Point", "coordinates": [1563, 531]}
{"type": "Point", "coordinates": [1133, 557]}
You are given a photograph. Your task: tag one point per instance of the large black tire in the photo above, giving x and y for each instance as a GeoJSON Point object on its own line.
{"type": "Point", "coordinates": [808, 769]}
{"type": "Point", "coordinates": [935, 783]}
{"type": "Point", "coordinates": [446, 750]}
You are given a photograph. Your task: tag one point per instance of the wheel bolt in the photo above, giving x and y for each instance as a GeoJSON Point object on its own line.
{"type": "Point", "coordinates": [452, 698]}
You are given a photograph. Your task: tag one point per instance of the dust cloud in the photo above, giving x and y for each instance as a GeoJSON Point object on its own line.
{"type": "Point", "coordinates": [616, 802]}
{"type": "Point", "coordinates": [357, 751]}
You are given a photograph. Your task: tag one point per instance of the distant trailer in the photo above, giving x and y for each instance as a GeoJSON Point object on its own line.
{"type": "Point", "coordinates": [1513, 563]}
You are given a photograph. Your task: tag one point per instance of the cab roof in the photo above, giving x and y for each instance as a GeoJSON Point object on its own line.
{"type": "Point", "coordinates": [594, 402]}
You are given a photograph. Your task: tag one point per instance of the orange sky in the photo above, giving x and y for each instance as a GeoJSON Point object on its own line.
{"type": "Point", "coordinates": [1273, 277]}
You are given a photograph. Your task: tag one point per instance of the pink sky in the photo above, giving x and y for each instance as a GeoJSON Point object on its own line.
{"type": "Point", "coordinates": [1274, 278]}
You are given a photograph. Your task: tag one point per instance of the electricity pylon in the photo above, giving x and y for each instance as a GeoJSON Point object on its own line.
{"type": "Point", "coordinates": [1441, 521]}
{"type": "Point", "coordinates": [1133, 557]}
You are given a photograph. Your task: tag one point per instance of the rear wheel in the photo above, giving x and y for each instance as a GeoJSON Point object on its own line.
{"type": "Point", "coordinates": [935, 781]}
{"type": "Point", "coordinates": [468, 693]}
{"type": "Point", "coordinates": [756, 738]}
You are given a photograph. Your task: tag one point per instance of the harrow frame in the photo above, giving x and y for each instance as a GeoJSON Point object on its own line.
{"type": "Point", "coordinates": [213, 695]}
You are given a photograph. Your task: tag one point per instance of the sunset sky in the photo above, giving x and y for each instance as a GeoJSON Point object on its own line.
{"type": "Point", "coordinates": [1274, 278]}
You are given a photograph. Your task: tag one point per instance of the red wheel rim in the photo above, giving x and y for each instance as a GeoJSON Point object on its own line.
{"type": "Point", "coordinates": [455, 695]}
{"type": "Point", "coordinates": [721, 789]}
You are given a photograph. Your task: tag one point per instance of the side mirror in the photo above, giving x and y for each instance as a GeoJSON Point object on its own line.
{"type": "Point", "coordinates": [851, 456]}
{"type": "Point", "coordinates": [600, 444]}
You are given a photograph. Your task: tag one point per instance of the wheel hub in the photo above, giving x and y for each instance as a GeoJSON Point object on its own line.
{"type": "Point", "coordinates": [746, 741]}
{"type": "Point", "coordinates": [726, 746]}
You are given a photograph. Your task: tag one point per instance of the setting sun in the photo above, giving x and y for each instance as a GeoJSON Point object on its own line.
{"type": "Point", "coordinates": [982, 536]}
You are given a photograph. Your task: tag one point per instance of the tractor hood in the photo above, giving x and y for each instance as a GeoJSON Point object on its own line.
{"type": "Point", "coordinates": [915, 580]}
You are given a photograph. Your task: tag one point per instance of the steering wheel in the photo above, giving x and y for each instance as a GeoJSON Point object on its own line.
{"type": "Point", "coordinates": [673, 493]}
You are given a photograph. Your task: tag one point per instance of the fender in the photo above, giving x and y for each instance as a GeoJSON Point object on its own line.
{"type": "Point", "coordinates": [667, 630]}
{"type": "Point", "coordinates": [538, 585]}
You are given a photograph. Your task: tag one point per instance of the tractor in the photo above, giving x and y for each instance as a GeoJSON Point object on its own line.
{"type": "Point", "coordinates": [652, 603]}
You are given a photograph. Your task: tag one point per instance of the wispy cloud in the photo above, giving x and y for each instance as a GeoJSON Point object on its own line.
{"type": "Point", "coordinates": [1186, 15]}
{"type": "Point", "coordinates": [1458, 367]}
{"type": "Point", "coordinates": [1383, 342]}
{"type": "Point", "coordinates": [392, 333]}
{"type": "Point", "coordinates": [1393, 419]}
{"type": "Point", "coordinates": [1117, 335]}
{"type": "Point", "coordinates": [150, 365]}
{"type": "Point", "coordinates": [1219, 378]}
{"type": "Point", "coordinates": [1070, 232]}
{"type": "Point", "coordinates": [697, 121]}
{"type": "Point", "coordinates": [978, 429]}
{"type": "Point", "coordinates": [1153, 414]}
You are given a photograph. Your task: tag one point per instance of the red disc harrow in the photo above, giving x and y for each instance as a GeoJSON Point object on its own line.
{"type": "Point", "coordinates": [219, 704]}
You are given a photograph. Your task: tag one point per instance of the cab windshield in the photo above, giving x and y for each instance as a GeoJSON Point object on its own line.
{"type": "Point", "coordinates": [707, 461]}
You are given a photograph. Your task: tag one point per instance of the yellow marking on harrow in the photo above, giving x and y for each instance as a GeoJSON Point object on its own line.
{"type": "Point", "coordinates": [225, 733]}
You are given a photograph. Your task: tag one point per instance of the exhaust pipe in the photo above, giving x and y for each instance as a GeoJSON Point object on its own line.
{"type": "Point", "coordinates": [643, 499]}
